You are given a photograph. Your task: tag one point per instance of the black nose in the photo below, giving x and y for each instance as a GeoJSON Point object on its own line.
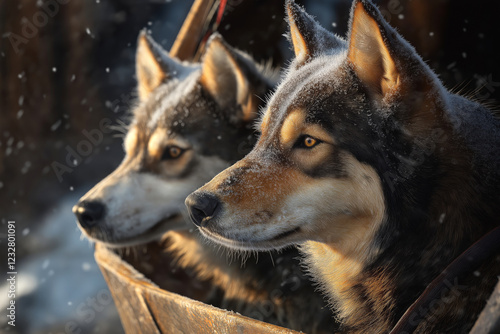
{"type": "Point", "coordinates": [88, 213]}
{"type": "Point", "coordinates": [202, 206]}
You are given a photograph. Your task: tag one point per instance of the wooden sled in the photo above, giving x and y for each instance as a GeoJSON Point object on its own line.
{"type": "Point", "coordinates": [145, 308]}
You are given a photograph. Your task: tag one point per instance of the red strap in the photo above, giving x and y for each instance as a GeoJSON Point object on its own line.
{"type": "Point", "coordinates": [222, 7]}
{"type": "Point", "coordinates": [220, 13]}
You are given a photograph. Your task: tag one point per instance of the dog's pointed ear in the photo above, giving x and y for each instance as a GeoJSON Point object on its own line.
{"type": "Point", "coordinates": [374, 48]}
{"type": "Point", "coordinates": [308, 37]}
{"type": "Point", "coordinates": [227, 76]}
{"type": "Point", "coordinates": [153, 65]}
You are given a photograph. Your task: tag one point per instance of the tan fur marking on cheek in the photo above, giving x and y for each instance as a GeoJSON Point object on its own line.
{"type": "Point", "coordinates": [292, 127]}
{"type": "Point", "coordinates": [354, 205]}
{"type": "Point", "coordinates": [343, 245]}
{"type": "Point", "coordinates": [309, 159]}
{"type": "Point", "coordinates": [175, 167]}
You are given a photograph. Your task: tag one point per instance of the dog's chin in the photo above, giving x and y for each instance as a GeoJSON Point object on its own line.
{"type": "Point", "coordinates": [153, 233]}
{"type": "Point", "coordinates": [279, 241]}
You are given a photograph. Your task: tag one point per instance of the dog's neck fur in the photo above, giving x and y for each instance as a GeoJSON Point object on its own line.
{"type": "Point", "coordinates": [270, 287]}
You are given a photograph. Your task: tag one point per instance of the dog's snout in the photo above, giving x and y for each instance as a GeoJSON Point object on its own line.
{"type": "Point", "coordinates": [202, 207]}
{"type": "Point", "coordinates": [89, 213]}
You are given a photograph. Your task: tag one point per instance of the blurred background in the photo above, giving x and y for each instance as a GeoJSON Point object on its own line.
{"type": "Point", "coordinates": [67, 74]}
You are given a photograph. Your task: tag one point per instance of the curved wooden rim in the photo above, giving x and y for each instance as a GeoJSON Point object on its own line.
{"type": "Point", "coordinates": [162, 311]}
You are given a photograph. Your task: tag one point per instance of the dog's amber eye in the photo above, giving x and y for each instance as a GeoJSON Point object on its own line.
{"type": "Point", "coordinates": [306, 142]}
{"type": "Point", "coordinates": [172, 152]}
{"type": "Point", "coordinates": [309, 142]}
